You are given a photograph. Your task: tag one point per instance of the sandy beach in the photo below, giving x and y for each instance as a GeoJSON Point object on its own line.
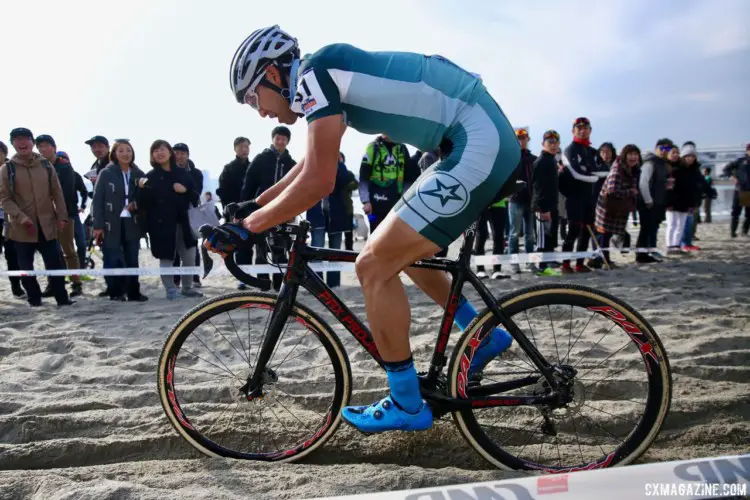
{"type": "Point", "coordinates": [80, 416]}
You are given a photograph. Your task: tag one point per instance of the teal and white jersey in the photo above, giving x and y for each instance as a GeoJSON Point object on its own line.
{"type": "Point", "coordinates": [412, 98]}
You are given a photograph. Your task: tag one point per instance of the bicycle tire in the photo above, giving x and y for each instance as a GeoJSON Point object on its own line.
{"type": "Point", "coordinates": [659, 377]}
{"type": "Point", "coordinates": [207, 309]}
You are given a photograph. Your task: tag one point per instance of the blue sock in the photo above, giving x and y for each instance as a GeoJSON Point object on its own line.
{"type": "Point", "coordinates": [465, 313]}
{"type": "Point", "coordinates": [404, 384]}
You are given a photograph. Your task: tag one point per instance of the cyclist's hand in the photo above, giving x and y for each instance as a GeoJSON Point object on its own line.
{"type": "Point", "coordinates": [367, 207]}
{"type": "Point", "coordinates": [227, 238]}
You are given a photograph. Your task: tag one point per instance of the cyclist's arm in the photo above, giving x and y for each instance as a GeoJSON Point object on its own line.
{"type": "Point", "coordinates": [313, 182]}
{"type": "Point", "coordinates": [271, 193]}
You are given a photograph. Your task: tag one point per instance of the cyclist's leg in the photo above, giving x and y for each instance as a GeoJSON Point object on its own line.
{"type": "Point", "coordinates": [447, 198]}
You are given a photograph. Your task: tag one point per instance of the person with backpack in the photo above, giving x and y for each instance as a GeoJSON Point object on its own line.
{"type": "Point", "coordinates": [33, 201]}
{"type": "Point", "coordinates": [8, 247]}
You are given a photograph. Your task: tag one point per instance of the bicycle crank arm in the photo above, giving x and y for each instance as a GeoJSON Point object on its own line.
{"type": "Point", "coordinates": [500, 387]}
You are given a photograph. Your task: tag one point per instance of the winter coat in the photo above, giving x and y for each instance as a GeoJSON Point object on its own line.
{"type": "Point", "coordinates": [266, 169]}
{"type": "Point", "coordinates": [544, 183]}
{"type": "Point", "coordinates": [616, 200]}
{"type": "Point", "coordinates": [577, 182]}
{"type": "Point", "coordinates": [231, 180]}
{"type": "Point", "coordinates": [197, 177]}
{"type": "Point", "coordinates": [523, 175]}
{"type": "Point", "coordinates": [166, 209]}
{"type": "Point", "coordinates": [81, 189]}
{"type": "Point", "coordinates": [37, 196]}
{"type": "Point", "coordinates": [109, 202]}
{"type": "Point", "coordinates": [687, 191]}
{"type": "Point", "coordinates": [740, 170]}
{"type": "Point", "coordinates": [337, 217]}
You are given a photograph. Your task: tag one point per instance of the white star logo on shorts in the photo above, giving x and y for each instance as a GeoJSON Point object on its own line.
{"type": "Point", "coordinates": [442, 193]}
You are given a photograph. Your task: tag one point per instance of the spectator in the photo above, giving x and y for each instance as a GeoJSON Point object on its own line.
{"type": "Point", "coordinates": [266, 169]}
{"type": "Point", "coordinates": [520, 216]}
{"type": "Point", "coordinates": [338, 220]}
{"type": "Point", "coordinates": [208, 198]}
{"type": "Point", "coordinates": [544, 197]}
{"type": "Point", "coordinates": [35, 208]}
{"type": "Point", "coordinates": [47, 147]}
{"type": "Point", "coordinates": [11, 258]}
{"type": "Point", "coordinates": [617, 198]}
{"type": "Point", "coordinates": [739, 171]}
{"type": "Point", "coordinates": [606, 155]}
{"type": "Point", "coordinates": [700, 189]}
{"type": "Point", "coordinates": [577, 182]}
{"type": "Point", "coordinates": [385, 174]}
{"type": "Point", "coordinates": [708, 200]}
{"type": "Point", "coordinates": [346, 195]}
{"type": "Point", "coordinates": [100, 149]}
{"type": "Point", "coordinates": [116, 221]}
{"type": "Point", "coordinates": [166, 193]}
{"type": "Point", "coordinates": [230, 189]}
{"type": "Point", "coordinates": [653, 186]}
{"type": "Point", "coordinates": [680, 200]}
{"type": "Point", "coordinates": [78, 230]}
{"type": "Point", "coordinates": [182, 155]}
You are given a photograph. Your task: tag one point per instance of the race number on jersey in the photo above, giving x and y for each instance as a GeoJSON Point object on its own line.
{"type": "Point", "coordinates": [309, 97]}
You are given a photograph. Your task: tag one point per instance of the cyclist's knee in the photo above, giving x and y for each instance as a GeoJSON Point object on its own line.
{"type": "Point", "coordinates": [368, 266]}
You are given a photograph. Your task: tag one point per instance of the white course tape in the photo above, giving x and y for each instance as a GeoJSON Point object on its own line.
{"type": "Point", "coordinates": [686, 479]}
{"type": "Point", "coordinates": [482, 260]}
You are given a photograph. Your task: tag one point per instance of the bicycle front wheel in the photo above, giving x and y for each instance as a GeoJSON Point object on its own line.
{"type": "Point", "coordinates": [208, 358]}
{"type": "Point", "coordinates": [621, 390]}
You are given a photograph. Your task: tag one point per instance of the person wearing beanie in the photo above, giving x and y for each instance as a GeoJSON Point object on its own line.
{"type": "Point", "coordinates": [267, 168]}
{"type": "Point", "coordinates": [34, 205]}
{"type": "Point", "coordinates": [700, 190]}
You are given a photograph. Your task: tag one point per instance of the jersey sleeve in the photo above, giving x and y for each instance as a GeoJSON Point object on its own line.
{"type": "Point", "coordinates": [317, 95]}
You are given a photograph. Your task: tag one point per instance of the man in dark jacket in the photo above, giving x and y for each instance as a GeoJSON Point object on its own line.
{"type": "Point", "coordinates": [233, 175]}
{"type": "Point", "coordinates": [739, 171]}
{"type": "Point", "coordinates": [577, 183]}
{"type": "Point", "coordinates": [182, 157]}
{"type": "Point", "coordinates": [230, 189]}
{"type": "Point", "coordinates": [79, 231]}
{"type": "Point", "coordinates": [653, 186]}
{"type": "Point", "coordinates": [520, 216]}
{"type": "Point", "coordinates": [266, 169]}
{"type": "Point", "coordinates": [100, 149]}
{"type": "Point", "coordinates": [544, 197]}
{"type": "Point", "coordinates": [46, 146]}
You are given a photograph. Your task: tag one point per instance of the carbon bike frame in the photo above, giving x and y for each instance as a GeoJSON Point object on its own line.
{"type": "Point", "coordinates": [299, 274]}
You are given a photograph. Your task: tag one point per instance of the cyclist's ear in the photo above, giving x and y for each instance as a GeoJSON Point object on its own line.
{"type": "Point", "coordinates": [273, 75]}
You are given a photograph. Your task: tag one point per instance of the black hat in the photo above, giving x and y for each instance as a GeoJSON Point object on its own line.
{"type": "Point", "coordinates": [281, 130]}
{"type": "Point", "coordinates": [98, 138]}
{"type": "Point", "coordinates": [45, 138]}
{"type": "Point", "coordinates": [664, 142]}
{"type": "Point", "coordinates": [582, 121]}
{"type": "Point", "coordinates": [181, 146]}
{"type": "Point", "coordinates": [21, 132]}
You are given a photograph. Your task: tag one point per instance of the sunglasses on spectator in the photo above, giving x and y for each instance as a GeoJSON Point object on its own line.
{"type": "Point", "coordinates": [666, 148]}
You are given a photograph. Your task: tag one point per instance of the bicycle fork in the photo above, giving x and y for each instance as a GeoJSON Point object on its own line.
{"type": "Point", "coordinates": [262, 373]}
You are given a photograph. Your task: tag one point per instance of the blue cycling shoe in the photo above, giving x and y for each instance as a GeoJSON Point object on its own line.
{"type": "Point", "coordinates": [491, 346]}
{"type": "Point", "coordinates": [386, 415]}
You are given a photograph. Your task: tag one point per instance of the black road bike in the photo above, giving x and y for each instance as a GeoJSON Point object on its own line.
{"type": "Point", "coordinates": [259, 376]}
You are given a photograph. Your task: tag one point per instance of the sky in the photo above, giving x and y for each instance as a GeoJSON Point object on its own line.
{"type": "Point", "coordinates": [159, 69]}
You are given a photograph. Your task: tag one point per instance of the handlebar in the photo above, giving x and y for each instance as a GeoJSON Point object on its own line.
{"type": "Point", "coordinates": [231, 266]}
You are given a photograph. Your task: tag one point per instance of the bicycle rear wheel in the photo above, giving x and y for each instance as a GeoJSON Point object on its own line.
{"type": "Point", "coordinates": [621, 390]}
{"type": "Point", "coordinates": [209, 356]}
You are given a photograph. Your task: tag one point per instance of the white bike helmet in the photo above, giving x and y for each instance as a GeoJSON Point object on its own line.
{"type": "Point", "coordinates": [265, 46]}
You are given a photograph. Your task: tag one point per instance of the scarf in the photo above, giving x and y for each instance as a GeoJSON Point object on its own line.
{"type": "Point", "coordinates": [583, 142]}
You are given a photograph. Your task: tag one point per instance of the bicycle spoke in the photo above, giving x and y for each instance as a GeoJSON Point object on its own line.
{"type": "Point", "coordinates": [586, 421]}
{"type": "Point", "coordinates": [559, 458]}
{"type": "Point", "coordinates": [203, 371]}
{"type": "Point", "coordinates": [293, 415]}
{"type": "Point", "coordinates": [573, 421]}
{"type": "Point", "coordinates": [605, 359]}
{"type": "Point", "coordinates": [225, 369]}
{"type": "Point", "coordinates": [592, 347]}
{"type": "Point", "coordinates": [619, 399]}
{"type": "Point", "coordinates": [215, 356]}
{"type": "Point", "coordinates": [275, 444]}
{"type": "Point", "coordinates": [606, 413]}
{"type": "Point", "coordinates": [263, 338]}
{"type": "Point", "coordinates": [554, 337]}
{"type": "Point", "coordinates": [526, 312]}
{"type": "Point", "coordinates": [294, 398]}
{"type": "Point", "coordinates": [228, 342]}
{"type": "Point", "coordinates": [217, 420]}
{"type": "Point", "coordinates": [231, 419]}
{"type": "Point", "coordinates": [293, 348]}
{"type": "Point", "coordinates": [247, 358]}
{"type": "Point", "coordinates": [531, 434]}
{"type": "Point", "coordinates": [605, 378]}
{"type": "Point", "coordinates": [593, 314]}
{"type": "Point", "coordinates": [570, 332]}
{"type": "Point", "coordinates": [306, 352]}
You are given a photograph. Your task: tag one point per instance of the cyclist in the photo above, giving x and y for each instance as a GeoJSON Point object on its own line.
{"type": "Point", "coordinates": [425, 101]}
